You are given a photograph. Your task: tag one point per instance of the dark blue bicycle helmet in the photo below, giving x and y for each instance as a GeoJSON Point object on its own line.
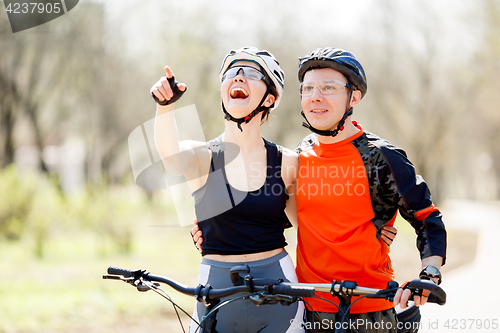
{"type": "Point", "coordinates": [342, 61]}
{"type": "Point", "coordinates": [338, 59]}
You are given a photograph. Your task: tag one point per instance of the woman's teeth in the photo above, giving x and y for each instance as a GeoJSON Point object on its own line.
{"type": "Point", "coordinates": [318, 111]}
{"type": "Point", "coordinates": [238, 93]}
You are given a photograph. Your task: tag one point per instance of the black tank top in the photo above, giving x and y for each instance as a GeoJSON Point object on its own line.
{"type": "Point", "coordinates": [239, 222]}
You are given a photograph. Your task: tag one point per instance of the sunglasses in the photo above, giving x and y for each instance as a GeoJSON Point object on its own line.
{"type": "Point", "coordinates": [248, 72]}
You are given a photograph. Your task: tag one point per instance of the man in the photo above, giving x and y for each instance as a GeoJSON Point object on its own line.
{"type": "Point", "coordinates": [352, 183]}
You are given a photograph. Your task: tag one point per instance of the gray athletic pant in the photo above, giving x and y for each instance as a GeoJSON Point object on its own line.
{"type": "Point", "coordinates": [242, 315]}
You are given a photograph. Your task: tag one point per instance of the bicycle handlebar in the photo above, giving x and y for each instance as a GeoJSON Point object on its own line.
{"type": "Point", "coordinates": [437, 294]}
{"type": "Point", "coordinates": [205, 293]}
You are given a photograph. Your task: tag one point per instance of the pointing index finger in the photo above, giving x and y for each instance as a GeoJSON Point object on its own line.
{"type": "Point", "coordinates": [169, 72]}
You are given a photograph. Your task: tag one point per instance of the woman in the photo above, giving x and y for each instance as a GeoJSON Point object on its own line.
{"type": "Point", "coordinates": [240, 183]}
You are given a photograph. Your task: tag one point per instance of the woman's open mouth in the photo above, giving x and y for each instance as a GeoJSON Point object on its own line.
{"type": "Point", "coordinates": [238, 92]}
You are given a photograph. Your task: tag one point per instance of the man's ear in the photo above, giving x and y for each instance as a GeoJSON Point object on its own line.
{"type": "Point", "coordinates": [269, 100]}
{"type": "Point", "coordinates": [355, 98]}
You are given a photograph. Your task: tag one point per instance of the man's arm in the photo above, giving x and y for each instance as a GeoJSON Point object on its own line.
{"type": "Point", "coordinates": [403, 189]}
{"type": "Point", "coordinates": [410, 194]}
{"type": "Point", "coordinates": [197, 235]}
{"type": "Point", "coordinates": [289, 173]}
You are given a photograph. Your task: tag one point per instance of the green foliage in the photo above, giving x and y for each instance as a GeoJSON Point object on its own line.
{"type": "Point", "coordinates": [31, 205]}
{"type": "Point", "coordinates": [47, 210]}
{"type": "Point", "coordinates": [16, 197]}
{"type": "Point", "coordinates": [110, 213]}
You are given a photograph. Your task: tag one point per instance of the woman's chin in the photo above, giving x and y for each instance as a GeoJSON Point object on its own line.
{"type": "Point", "coordinates": [239, 111]}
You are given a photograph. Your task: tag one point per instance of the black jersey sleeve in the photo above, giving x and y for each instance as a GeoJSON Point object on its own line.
{"type": "Point", "coordinates": [406, 190]}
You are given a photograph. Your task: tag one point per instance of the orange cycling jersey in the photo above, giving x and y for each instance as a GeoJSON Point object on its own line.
{"type": "Point", "coordinates": [346, 192]}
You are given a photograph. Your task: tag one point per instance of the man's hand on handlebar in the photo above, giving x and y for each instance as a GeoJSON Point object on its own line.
{"type": "Point", "coordinates": [196, 234]}
{"type": "Point", "coordinates": [403, 295]}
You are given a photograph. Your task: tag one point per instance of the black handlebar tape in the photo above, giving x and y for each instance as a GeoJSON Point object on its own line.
{"type": "Point", "coordinates": [292, 290]}
{"type": "Point", "coordinates": [437, 295]}
{"type": "Point", "coordinates": [125, 272]}
{"type": "Point", "coordinates": [174, 85]}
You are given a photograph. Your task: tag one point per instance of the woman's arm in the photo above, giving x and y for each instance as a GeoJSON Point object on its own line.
{"type": "Point", "coordinates": [179, 157]}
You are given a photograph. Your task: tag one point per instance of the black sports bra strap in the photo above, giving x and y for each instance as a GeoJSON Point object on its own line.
{"type": "Point", "coordinates": [279, 160]}
{"type": "Point", "coordinates": [275, 157]}
{"type": "Point", "coordinates": [216, 147]}
{"type": "Point", "coordinates": [279, 155]}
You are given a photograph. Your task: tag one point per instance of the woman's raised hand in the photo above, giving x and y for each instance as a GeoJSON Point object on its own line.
{"type": "Point", "coordinates": [167, 90]}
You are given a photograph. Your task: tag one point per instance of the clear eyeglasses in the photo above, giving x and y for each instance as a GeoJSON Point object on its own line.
{"type": "Point", "coordinates": [326, 88]}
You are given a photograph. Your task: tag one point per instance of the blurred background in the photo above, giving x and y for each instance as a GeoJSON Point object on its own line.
{"type": "Point", "coordinates": [73, 90]}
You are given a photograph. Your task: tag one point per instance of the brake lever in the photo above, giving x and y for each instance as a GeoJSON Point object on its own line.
{"type": "Point", "coordinates": [119, 277]}
{"type": "Point", "coordinates": [139, 283]}
{"type": "Point", "coordinates": [143, 287]}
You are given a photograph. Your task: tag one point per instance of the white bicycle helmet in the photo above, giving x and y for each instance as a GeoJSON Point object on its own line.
{"type": "Point", "coordinates": [264, 59]}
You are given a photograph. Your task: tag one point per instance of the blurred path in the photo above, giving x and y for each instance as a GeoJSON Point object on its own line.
{"type": "Point", "coordinates": [470, 308]}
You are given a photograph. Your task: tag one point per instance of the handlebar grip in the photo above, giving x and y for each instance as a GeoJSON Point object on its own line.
{"type": "Point", "coordinates": [292, 290]}
{"type": "Point", "coordinates": [437, 295]}
{"type": "Point", "coordinates": [435, 299]}
{"type": "Point", "coordinates": [125, 272]}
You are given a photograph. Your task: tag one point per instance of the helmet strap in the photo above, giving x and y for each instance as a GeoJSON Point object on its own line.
{"type": "Point", "coordinates": [252, 114]}
{"type": "Point", "coordinates": [340, 126]}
